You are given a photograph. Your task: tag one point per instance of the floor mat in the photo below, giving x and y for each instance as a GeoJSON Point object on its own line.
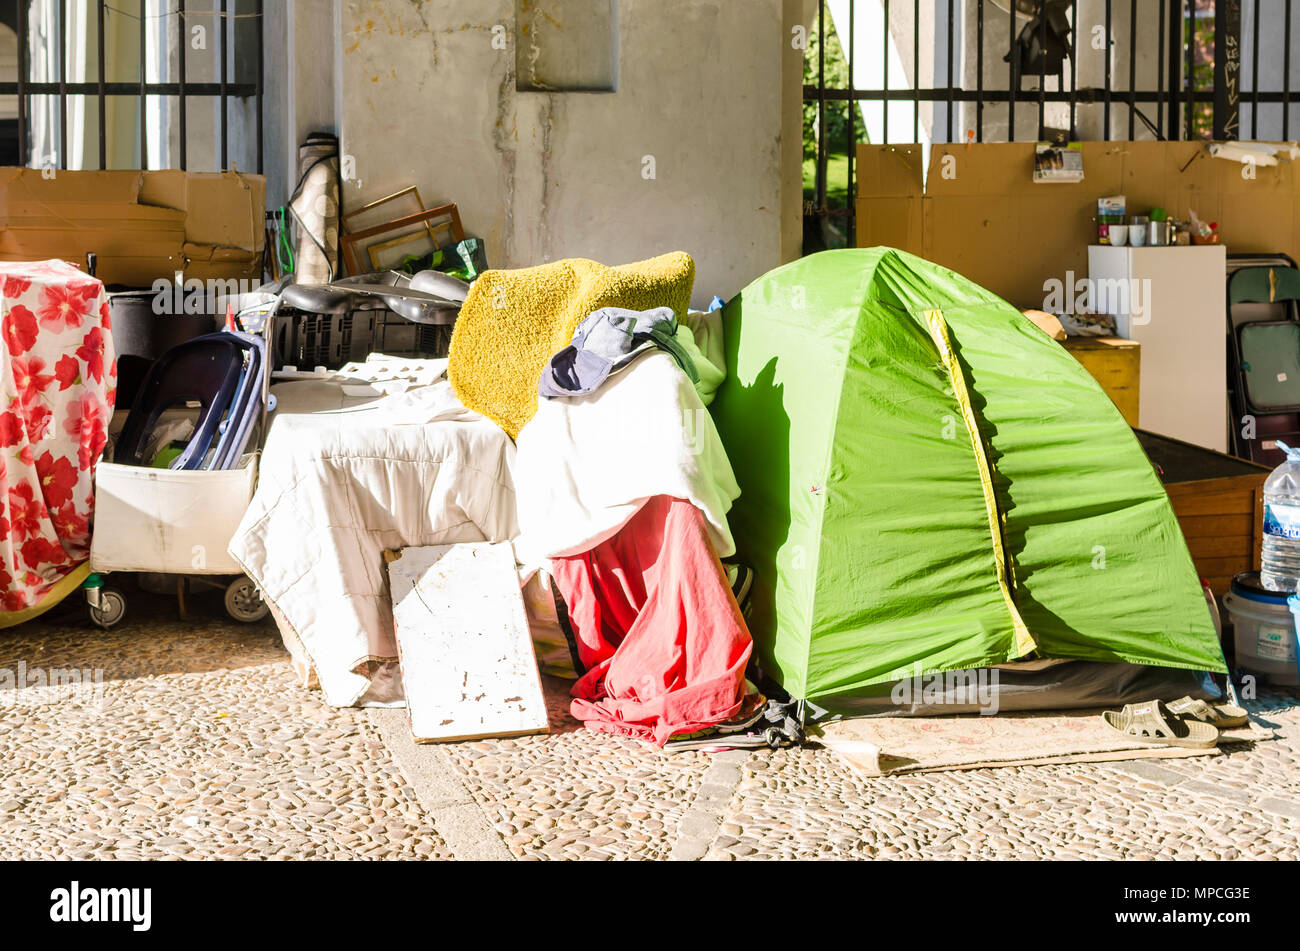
{"type": "Point", "coordinates": [895, 745]}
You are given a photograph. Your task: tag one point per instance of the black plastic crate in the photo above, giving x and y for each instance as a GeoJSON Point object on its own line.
{"type": "Point", "coordinates": [323, 340]}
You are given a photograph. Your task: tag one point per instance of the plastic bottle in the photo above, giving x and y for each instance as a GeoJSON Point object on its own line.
{"type": "Point", "coordinates": [1280, 558]}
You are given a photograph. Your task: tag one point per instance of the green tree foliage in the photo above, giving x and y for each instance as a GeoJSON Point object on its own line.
{"type": "Point", "coordinates": [837, 113]}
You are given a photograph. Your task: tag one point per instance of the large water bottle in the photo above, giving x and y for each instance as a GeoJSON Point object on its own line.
{"type": "Point", "coordinates": [1280, 558]}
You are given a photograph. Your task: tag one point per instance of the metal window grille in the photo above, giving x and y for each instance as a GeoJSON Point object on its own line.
{"type": "Point", "coordinates": [1163, 69]}
{"type": "Point", "coordinates": [234, 27]}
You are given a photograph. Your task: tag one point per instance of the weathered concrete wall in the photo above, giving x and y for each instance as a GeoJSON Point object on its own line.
{"type": "Point", "coordinates": [686, 154]}
{"type": "Point", "coordinates": [302, 87]}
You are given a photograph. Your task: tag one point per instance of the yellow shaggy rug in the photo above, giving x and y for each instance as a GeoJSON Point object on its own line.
{"type": "Point", "coordinates": [515, 320]}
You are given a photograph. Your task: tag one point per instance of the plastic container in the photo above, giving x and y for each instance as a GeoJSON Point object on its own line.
{"type": "Point", "coordinates": [141, 333]}
{"type": "Point", "coordinates": [167, 520]}
{"type": "Point", "coordinates": [1280, 555]}
{"type": "Point", "coordinates": [1264, 629]}
{"type": "Point", "coordinates": [1293, 603]}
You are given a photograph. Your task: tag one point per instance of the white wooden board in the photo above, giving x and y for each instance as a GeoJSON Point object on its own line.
{"type": "Point", "coordinates": [466, 653]}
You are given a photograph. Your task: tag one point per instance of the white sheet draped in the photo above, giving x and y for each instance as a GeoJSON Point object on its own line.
{"type": "Point", "coordinates": [341, 480]}
{"type": "Point", "coordinates": [587, 464]}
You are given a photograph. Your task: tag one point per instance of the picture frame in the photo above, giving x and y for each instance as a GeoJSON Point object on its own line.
{"type": "Point", "coordinates": [408, 201]}
{"type": "Point", "coordinates": [386, 255]}
{"type": "Point", "coordinates": [439, 222]}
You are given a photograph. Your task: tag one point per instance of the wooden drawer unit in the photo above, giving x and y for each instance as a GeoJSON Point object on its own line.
{"type": "Point", "coordinates": [1116, 364]}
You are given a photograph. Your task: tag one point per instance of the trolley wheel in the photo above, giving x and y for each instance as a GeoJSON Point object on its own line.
{"type": "Point", "coordinates": [111, 610]}
{"type": "Point", "coordinates": [244, 602]}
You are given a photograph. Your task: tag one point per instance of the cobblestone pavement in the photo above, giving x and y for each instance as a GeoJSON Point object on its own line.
{"type": "Point", "coordinates": [200, 745]}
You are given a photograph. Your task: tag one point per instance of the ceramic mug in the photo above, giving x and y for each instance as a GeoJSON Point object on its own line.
{"type": "Point", "coordinates": [1119, 235]}
{"type": "Point", "coordinates": [1137, 235]}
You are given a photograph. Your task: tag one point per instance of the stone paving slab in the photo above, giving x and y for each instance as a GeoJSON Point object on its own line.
{"type": "Point", "coordinates": [699, 826]}
{"type": "Point", "coordinates": [450, 806]}
{"type": "Point", "coordinates": [201, 745]}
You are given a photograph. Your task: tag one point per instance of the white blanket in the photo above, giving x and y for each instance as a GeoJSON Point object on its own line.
{"type": "Point", "coordinates": [341, 480]}
{"type": "Point", "coordinates": [586, 464]}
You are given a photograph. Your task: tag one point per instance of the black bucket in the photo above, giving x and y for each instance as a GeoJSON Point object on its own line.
{"type": "Point", "coordinates": [141, 336]}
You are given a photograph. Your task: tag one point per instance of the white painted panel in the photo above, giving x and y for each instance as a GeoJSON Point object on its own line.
{"type": "Point", "coordinates": [462, 635]}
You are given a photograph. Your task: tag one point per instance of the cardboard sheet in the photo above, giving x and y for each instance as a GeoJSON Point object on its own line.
{"type": "Point", "coordinates": [892, 745]}
{"type": "Point", "coordinates": [143, 226]}
{"type": "Point", "coordinates": [981, 214]}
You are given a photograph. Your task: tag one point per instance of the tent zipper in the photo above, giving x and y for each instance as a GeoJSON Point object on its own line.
{"type": "Point", "coordinates": [938, 329]}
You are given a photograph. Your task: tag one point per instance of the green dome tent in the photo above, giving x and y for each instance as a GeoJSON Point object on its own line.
{"type": "Point", "coordinates": [930, 483]}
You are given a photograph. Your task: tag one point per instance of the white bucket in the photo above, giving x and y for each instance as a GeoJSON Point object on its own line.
{"type": "Point", "coordinates": [1264, 634]}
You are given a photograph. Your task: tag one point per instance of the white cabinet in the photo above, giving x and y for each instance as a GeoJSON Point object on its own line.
{"type": "Point", "coordinates": [1171, 300]}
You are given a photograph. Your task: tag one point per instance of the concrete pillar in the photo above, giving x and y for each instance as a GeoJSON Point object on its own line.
{"type": "Point", "coordinates": [304, 48]}
{"type": "Point", "coordinates": [696, 149]}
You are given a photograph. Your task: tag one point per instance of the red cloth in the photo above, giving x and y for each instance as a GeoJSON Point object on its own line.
{"type": "Point", "coordinates": [657, 627]}
{"type": "Point", "coordinates": [58, 378]}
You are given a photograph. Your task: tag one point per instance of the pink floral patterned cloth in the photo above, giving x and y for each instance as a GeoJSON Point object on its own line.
{"type": "Point", "coordinates": [57, 388]}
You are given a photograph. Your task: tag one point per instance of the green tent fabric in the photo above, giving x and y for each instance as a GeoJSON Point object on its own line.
{"type": "Point", "coordinates": [931, 483]}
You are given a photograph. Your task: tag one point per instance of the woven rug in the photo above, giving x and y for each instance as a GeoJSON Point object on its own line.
{"type": "Point", "coordinates": [893, 745]}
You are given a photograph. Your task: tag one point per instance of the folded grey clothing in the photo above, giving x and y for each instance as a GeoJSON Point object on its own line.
{"type": "Point", "coordinates": [607, 341]}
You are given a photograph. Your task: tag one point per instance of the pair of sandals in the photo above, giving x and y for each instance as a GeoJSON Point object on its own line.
{"type": "Point", "coordinates": [1189, 723]}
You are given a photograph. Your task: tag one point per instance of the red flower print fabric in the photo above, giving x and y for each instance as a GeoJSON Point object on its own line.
{"type": "Point", "coordinates": [20, 329]}
{"type": "Point", "coordinates": [57, 385]}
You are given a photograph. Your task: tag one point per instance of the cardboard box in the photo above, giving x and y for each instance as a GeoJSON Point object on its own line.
{"type": "Point", "coordinates": [1219, 501]}
{"type": "Point", "coordinates": [981, 214]}
{"type": "Point", "coordinates": [143, 226]}
{"type": "Point", "coordinates": [1049, 324]}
